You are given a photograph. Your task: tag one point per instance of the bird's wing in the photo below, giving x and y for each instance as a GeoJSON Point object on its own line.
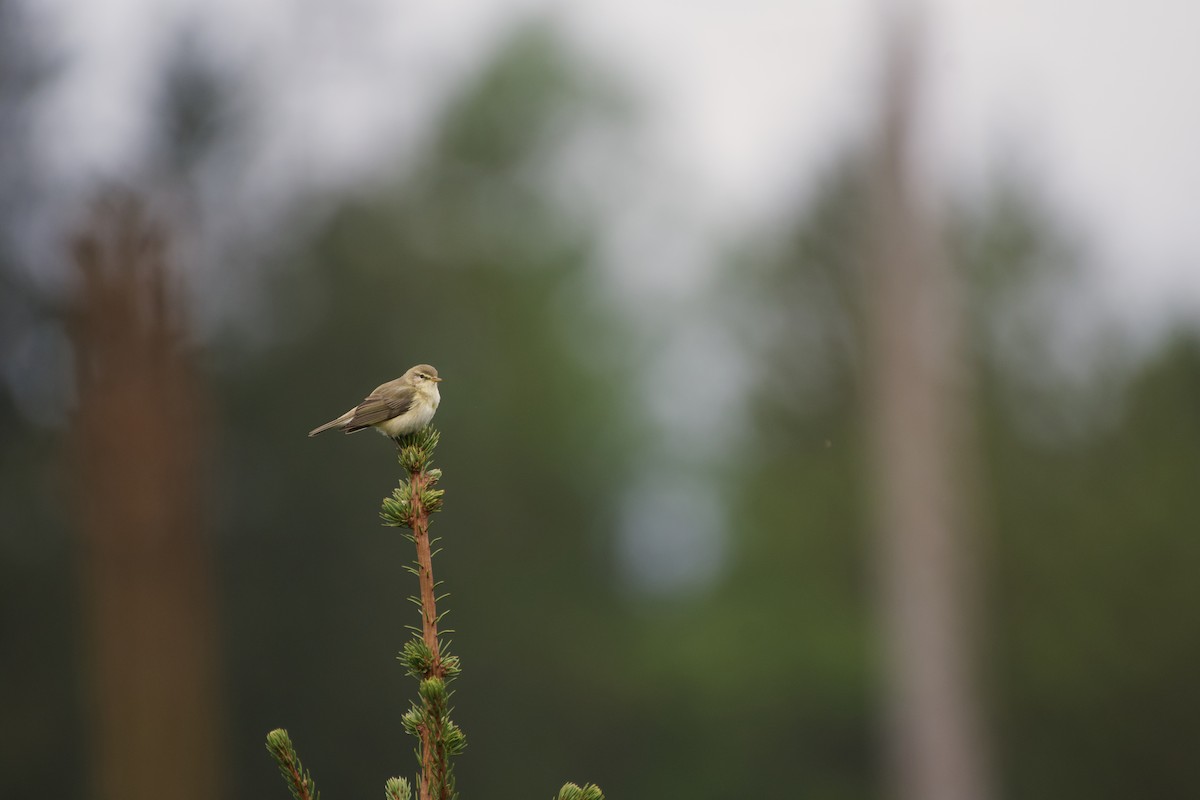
{"type": "Point", "coordinates": [384, 403]}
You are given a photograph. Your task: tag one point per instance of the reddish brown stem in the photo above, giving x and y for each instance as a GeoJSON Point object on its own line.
{"type": "Point", "coordinates": [432, 757]}
{"type": "Point", "coordinates": [433, 762]}
{"type": "Point", "coordinates": [427, 764]}
{"type": "Point", "coordinates": [429, 617]}
{"type": "Point", "coordinates": [298, 781]}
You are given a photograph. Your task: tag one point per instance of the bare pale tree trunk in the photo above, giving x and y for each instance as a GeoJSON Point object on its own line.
{"type": "Point", "coordinates": [139, 447]}
{"type": "Point", "coordinates": [918, 410]}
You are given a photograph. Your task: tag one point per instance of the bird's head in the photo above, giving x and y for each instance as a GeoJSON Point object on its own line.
{"type": "Point", "coordinates": [422, 374]}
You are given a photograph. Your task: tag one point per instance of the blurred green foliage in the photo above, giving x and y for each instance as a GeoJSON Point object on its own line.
{"type": "Point", "coordinates": [766, 684]}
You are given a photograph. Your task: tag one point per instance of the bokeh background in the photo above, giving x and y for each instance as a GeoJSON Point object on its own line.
{"type": "Point", "coordinates": [821, 414]}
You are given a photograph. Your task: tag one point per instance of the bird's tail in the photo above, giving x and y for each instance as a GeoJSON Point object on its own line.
{"type": "Point", "coordinates": [333, 423]}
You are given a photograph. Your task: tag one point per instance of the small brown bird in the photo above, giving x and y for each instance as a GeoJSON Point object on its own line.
{"type": "Point", "coordinates": [395, 408]}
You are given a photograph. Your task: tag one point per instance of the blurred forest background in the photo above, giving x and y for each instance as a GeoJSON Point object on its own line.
{"type": "Point", "coordinates": [666, 513]}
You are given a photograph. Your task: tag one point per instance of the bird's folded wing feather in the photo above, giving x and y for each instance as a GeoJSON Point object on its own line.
{"type": "Point", "coordinates": [381, 405]}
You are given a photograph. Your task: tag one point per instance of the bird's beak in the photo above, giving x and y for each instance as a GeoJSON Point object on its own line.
{"type": "Point", "coordinates": [437, 380]}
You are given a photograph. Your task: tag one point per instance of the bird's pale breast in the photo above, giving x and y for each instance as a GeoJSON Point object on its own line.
{"type": "Point", "coordinates": [419, 414]}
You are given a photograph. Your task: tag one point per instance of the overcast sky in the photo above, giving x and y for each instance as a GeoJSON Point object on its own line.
{"type": "Point", "coordinates": [1100, 100]}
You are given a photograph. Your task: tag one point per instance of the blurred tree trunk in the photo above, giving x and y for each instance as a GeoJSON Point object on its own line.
{"type": "Point", "coordinates": [918, 410]}
{"type": "Point", "coordinates": [139, 447]}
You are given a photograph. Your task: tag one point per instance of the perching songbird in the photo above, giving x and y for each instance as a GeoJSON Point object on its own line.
{"type": "Point", "coordinates": [402, 406]}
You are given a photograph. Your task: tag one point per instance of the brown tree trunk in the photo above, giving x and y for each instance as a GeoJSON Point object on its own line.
{"type": "Point", "coordinates": [139, 446]}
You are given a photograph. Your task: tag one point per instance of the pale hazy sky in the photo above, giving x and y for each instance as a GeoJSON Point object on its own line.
{"type": "Point", "coordinates": [1100, 100]}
